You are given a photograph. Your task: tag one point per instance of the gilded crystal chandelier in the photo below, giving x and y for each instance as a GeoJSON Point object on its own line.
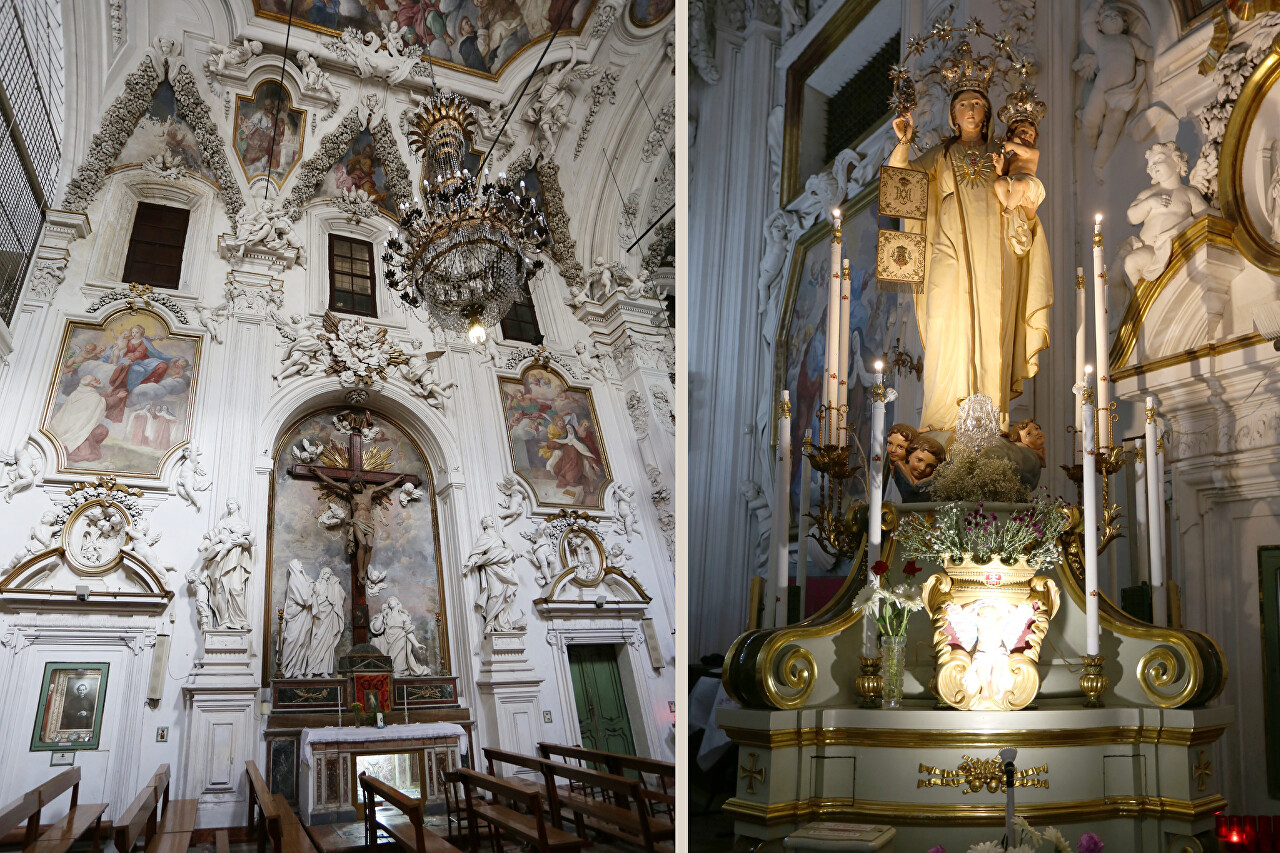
{"type": "Point", "coordinates": [470, 249]}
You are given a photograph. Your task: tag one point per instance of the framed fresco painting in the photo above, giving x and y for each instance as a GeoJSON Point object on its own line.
{"type": "Point", "coordinates": [646, 13]}
{"type": "Point", "coordinates": [358, 168]}
{"type": "Point", "coordinates": [554, 439]}
{"type": "Point", "coordinates": [474, 36]}
{"type": "Point", "coordinates": [161, 132]}
{"type": "Point", "coordinates": [122, 394]}
{"type": "Point", "coordinates": [268, 128]}
{"type": "Point", "coordinates": [876, 317]}
{"type": "Point", "coordinates": [72, 699]}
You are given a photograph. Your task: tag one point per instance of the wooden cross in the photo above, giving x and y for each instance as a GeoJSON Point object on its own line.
{"type": "Point", "coordinates": [751, 773]}
{"type": "Point", "coordinates": [354, 470]}
{"type": "Point", "coordinates": [1202, 771]}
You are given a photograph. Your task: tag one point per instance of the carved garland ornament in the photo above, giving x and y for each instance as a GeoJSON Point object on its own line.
{"type": "Point", "coordinates": [975, 774]}
{"type": "Point", "coordinates": [138, 296]}
{"type": "Point", "coordinates": [602, 90]}
{"type": "Point", "coordinates": [563, 247]}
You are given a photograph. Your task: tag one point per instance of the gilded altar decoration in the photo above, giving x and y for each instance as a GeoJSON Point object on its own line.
{"type": "Point", "coordinates": [977, 774]}
{"type": "Point", "coordinates": [121, 397]}
{"type": "Point", "coordinates": [989, 621]}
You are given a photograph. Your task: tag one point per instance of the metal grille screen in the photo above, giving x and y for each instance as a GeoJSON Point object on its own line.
{"type": "Point", "coordinates": [31, 106]}
{"type": "Point", "coordinates": [862, 103]}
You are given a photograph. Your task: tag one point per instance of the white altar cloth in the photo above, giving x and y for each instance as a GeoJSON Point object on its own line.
{"type": "Point", "coordinates": [403, 731]}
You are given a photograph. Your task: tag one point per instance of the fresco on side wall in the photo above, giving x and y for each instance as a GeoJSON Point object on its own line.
{"type": "Point", "coordinates": [161, 131]}
{"type": "Point", "coordinates": [269, 113]}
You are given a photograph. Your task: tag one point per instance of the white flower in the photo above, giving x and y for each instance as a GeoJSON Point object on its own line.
{"type": "Point", "coordinates": [987, 847]}
{"type": "Point", "coordinates": [1060, 844]}
{"type": "Point", "coordinates": [867, 601]}
{"type": "Point", "coordinates": [907, 597]}
{"type": "Point", "coordinates": [346, 377]}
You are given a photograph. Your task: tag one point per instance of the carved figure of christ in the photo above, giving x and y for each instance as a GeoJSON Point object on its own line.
{"type": "Point", "coordinates": [361, 489]}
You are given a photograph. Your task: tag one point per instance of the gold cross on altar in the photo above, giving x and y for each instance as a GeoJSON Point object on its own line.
{"type": "Point", "coordinates": [751, 773]}
{"type": "Point", "coordinates": [1202, 770]}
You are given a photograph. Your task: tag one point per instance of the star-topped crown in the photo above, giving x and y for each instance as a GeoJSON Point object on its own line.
{"type": "Point", "coordinates": [1022, 105]}
{"type": "Point", "coordinates": [965, 70]}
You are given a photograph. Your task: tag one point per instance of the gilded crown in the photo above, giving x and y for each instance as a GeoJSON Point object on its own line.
{"type": "Point", "coordinates": [1022, 105]}
{"type": "Point", "coordinates": [964, 70]}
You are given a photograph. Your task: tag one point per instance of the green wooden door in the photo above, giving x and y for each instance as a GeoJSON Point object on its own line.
{"type": "Point", "coordinates": [601, 706]}
{"type": "Point", "coordinates": [1269, 592]}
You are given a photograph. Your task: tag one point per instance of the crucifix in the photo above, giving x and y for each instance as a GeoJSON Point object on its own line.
{"type": "Point", "coordinates": [361, 488]}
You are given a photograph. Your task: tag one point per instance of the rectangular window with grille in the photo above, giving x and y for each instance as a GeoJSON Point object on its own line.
{"type": "Point", "coordinates": [155, 246]}
{"type": "Point", "coordinates": [351, 280]}
{"type": "Point", "coordinates": [862, 104]}
{"type": "Point", "coordinates": [521, 322]}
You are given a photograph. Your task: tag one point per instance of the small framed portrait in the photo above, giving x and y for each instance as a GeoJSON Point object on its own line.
{"type": "Point", "coordinates": [71, 704]}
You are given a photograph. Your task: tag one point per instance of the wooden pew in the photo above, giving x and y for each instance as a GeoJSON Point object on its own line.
{"type": "Point", "coordinates": [624, 815]}
{"type": "Point", "coordinates": [138, 820]}
{"type": "Point", "coordinates": [19, 812]}
{"type": "Point", "coordinates": [529, 828]}
{"type": "Point", "coordinates": [661, 795]}
{"type": "Point", "coordinates": [293, 836]}
{"type": "Point", "coordinates": [411, 835]}
{"type": "Point", "coordinates": [264, 813]}
{"type": "Point", "coordinates": [528, 762]}
{"type": "Point", "coordinates": [222, 841]}
{"type": "Point", "coordinates": [67, 831]}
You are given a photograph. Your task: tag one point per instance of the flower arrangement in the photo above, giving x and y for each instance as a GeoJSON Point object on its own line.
{"type": "Point", "coordinates": [975, 474]}
{"type": "Point", "coordinates": [1030, 841]}
{"type": "Point", "coordinates": [1030, 533]}
{"type": "Point", "coordinates": [890, 607]}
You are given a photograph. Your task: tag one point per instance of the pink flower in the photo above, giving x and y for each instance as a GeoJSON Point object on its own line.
{"type": "Point", "coordinates": [879, 568]}
{"type": "Point", "coordinates": [911, 569]}
{"type": "Point", "coordinates": [937, 849]}
{"type": "Point", "coordinates": [1089, 843]}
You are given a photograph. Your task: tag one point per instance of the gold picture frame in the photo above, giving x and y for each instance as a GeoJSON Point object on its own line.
{"type": "Point", "coordinates": [283, 113]}
{"type": "Point", "coordinates": [74, 366]}
{"type": "Point", "coordinates": [1259, 249]}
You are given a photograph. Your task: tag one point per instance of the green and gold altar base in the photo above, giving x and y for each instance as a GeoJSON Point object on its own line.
{"type": "Point", "coordinates": [1137, 777]}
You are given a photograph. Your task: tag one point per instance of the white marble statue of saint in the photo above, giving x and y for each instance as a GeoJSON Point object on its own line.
{"type": "Point", "coordinates": [495, 563]}
{"type": "Point", "coordinates": [227, 554]}
{"type": "Point", "coordinates": [984, 311]}
{"type": "Point", "coordinates": [394, 636]}
{"type": "Point", "coordinates": [327, 622]}
{"type": "Point", "coordinates": [296, 651]}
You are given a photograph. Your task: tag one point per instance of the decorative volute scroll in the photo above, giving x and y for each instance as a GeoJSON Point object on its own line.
{"type": "Point", "coordinates": [100, 542]}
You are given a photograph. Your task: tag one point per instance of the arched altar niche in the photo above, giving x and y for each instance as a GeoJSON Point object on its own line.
{"type": "Point", "coordinates": [406, 542]}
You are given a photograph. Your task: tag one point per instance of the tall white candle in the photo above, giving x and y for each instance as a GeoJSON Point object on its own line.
{"type": "Point", "coordinates": [832, 362]}
{"type": "Point", "coordinates": [1090, 498]}
{"type": "Point", "coordinates": [1100, 342]}
{"type": "Point", "coordinates": [802, 512]}
{"type": "Point", "coordinates": [1141, 517]}
{"type": "Point", "coordinates": [1082, 343]}
{"type": "Point", "coordinates": [845, 342]}
{"type": "Point", "coordinates": [781, 546]}
{"type": "Point", "coordinates": [877, 465]}
{"type": "Point", "coordinates": [1160, 593]}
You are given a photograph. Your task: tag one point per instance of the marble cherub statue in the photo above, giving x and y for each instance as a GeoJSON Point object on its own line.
{"type": "Point", "coordinates": [304, 350]}
{"type": "Point", "coordinates": [191, 477]}
{"type": "Point", "coordinates": [315, 80]}
{"type": "Point", "coordinates": [225, 56]}
{"type": "Point", "coordinates": [1164, 210]}
{"type": "Point", "coordinates": [625, 519]}
{"type": "Point", "coordinates": [1118, 67]}
{"type": "Point", "coordinates": [542, 554]}
{"type": "Point", "coordinates": [420, 372]}
{"type": "Point", "coordinates": [512, 503]}
{"type": "Point", "coordinates": [22, 469]}
{"type": "Point", "coordinates": [40, 538]}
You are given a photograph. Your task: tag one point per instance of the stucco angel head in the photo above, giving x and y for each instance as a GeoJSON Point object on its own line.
{"type": "Point", "coordinates": [1111, 20]}
{"type": "Point", "coordinates": [579, 347]}
{"type": "Point", "coordinates": [1166, 162]}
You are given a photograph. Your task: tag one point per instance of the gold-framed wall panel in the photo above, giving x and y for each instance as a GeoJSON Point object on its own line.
{"type": "Point", "coordinates": [1253, 244]}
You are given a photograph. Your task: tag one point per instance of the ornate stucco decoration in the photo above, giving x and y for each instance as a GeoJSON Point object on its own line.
{"type": "Point", "coordinates": [359, 354]}
{"type": "Point", "coordinates": [1234, 68]}
{"type": "Point", "coordinates": [591, 580]}
{"type": "Point", "coordinates": [311, 172]}
{"type": "Point", "coordinates": [602, 90]}
{"type": "Point", "coordinates": [137, 297]}
{"type": "Point", "coordinates": [977, 774]}
{"type": "Point", "coordinates": [98, 540]}
{"type": "Point", "coordinates": [656, 142]}
{"type": "Point", "coordinates": [563, 248]}
{"type": "Point", "coordinates": [541, 357]}
{"type": "Point", "coordinates": [121, 118]}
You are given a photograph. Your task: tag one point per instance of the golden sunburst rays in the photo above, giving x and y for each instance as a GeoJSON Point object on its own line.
{"type": "Point", "coordinates": [334, 455]}
{"type": "Point", "coordinates": [376, 458]}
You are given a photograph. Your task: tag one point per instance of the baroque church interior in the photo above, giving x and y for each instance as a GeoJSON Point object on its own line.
{"type": "Point", "coordinates": [337, 360]}
{"type": "Point", "coordinates": [984, 455]}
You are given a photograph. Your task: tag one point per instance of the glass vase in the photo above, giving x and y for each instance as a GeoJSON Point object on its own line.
{"type": "Point", "coordinates": [893, 654]}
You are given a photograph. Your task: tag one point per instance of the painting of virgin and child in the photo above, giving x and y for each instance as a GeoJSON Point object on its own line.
{"type": "Point", "coordinates": [555, 446]}
{"type": "Point", "coordinates": [121, 396]}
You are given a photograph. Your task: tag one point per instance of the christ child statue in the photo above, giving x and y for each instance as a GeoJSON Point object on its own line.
{"type": "Point", "coordinates": [1018, 185]}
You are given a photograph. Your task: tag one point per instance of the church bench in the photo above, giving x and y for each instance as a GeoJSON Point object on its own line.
{"type": "Point", "coordinates": [410, 834]}
{"type": "Point", "coordinates": [528, 762]}
{"type": "Point", "coordinates": [624, 815]}
{"type": "Point", "coordinates": [293, 836]}
{"type": "Point", "coordinates": [67, 831]}
{"type": "Point", "coordinates": [19, 812]}
{"type": "Point", "coordinates": [222, 841]}
{"type": "Point", "coordinates": [529, 828]}
{"type": "Point", "coordinates": [264, 814]}
{"type": "Point", "coordinates": [168, 824]}
{"type": "Point", "coordinates": [661, 798]}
